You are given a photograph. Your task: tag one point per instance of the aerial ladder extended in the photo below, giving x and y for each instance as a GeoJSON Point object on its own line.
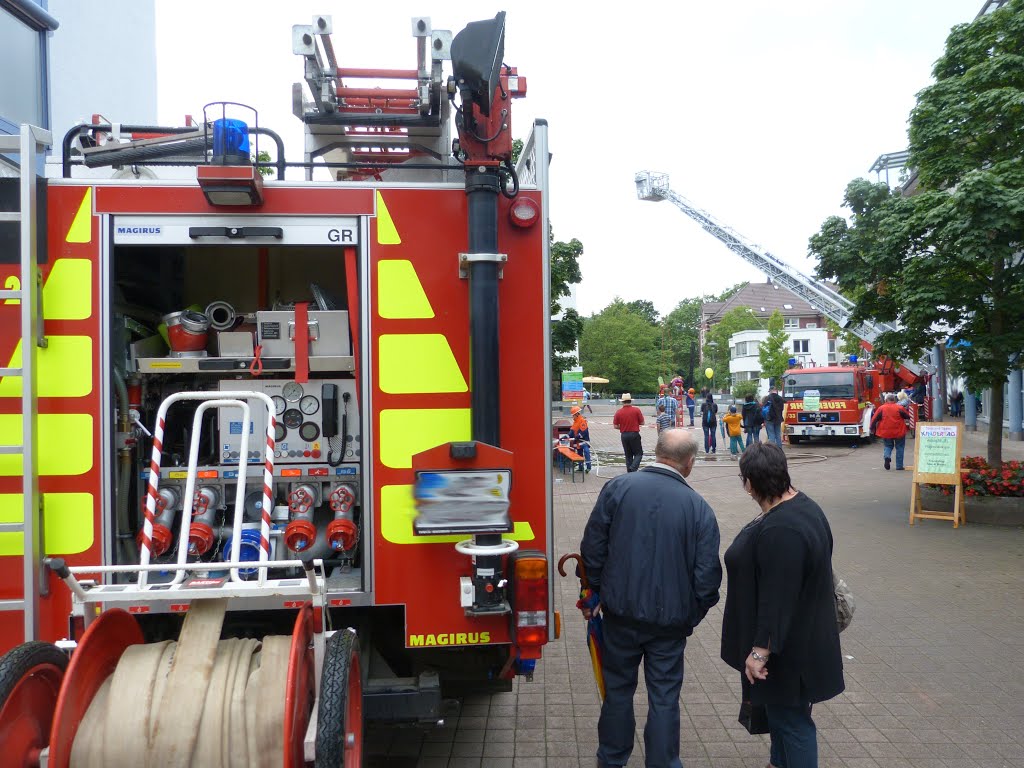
{"type": "Point", "coordinates": [835, 306]}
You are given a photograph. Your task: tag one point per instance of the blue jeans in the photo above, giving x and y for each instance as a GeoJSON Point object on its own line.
{"type": "Point", "coordinates": [710, 439]}
{"type": "Point", "coordinates": [899, 443]}
{"type": "Point", "coordinates": [754, 436]}
{"type": "Point", "coordinates": [690, 409]}
{"type": "Point", "coordinates": [794, 736]}
{"type": "Point", "coordinates": [661, 648]}
{"type": "Point", "coordinates": [774, 433]}
{"type": "Point", "coordinates": [735, 445]}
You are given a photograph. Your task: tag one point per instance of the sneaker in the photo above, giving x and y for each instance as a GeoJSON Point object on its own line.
{"type": "Point", "coordinates": [588, 470]}
{"type": "Point", "coordinates": [888, 462]}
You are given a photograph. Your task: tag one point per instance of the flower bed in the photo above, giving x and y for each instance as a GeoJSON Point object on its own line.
{"type": "Point", "coordinates": [982, 480]}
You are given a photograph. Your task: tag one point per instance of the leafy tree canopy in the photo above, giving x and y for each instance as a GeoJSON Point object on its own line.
{"type": "Point", "coordinates": [774, 353]}
{"type": "Point", "coordinates": [623, 346]}
{"type": "Point", "coordinates": [948, 261]}
{"type": "Point", "coordinates": [644, 309]}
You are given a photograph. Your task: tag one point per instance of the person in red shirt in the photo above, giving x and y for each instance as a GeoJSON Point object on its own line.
{"type": "Point", "coordinates": [628, 420]}
{"type": "Point", "coordinates": [890, 424]}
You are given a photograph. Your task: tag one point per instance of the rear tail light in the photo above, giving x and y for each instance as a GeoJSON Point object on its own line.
{"type": "Point", "coordinates": [530, 602]}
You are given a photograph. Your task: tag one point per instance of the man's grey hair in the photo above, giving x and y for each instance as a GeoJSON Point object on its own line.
{"type": "Point", "coordinates": [890, 398]}
{"type": "Point", "coordinates": [676, 445]}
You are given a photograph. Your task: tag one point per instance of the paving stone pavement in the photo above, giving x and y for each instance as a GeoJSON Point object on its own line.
{"type": "Point", "coordinates": [934, 659]}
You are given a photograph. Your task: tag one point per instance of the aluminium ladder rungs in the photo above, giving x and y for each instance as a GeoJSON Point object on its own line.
{"type": "Point", "coordinates": [12, 605]}
{"type": "Point", "coordinates": [10, 371]}
{"type": "Point", "coordinates": [12, 527]}
{"type": "Point", "coordinates": [16, 295]}
{"type": "Point", "coordinates": [11, 450]}
{"type": "Point", "coordinates": [7, 216]}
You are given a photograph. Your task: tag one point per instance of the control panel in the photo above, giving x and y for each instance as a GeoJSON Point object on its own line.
{"type": "Point", "coordinates": [315, 422]}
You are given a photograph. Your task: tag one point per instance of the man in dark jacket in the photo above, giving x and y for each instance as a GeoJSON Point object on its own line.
{"type": "Point", "coordinates": [752, 419]}
{"type": "Point", "coordinates": [651, 553]}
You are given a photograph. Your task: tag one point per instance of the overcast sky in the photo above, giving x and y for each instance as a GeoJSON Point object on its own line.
{"type": "Point", "coordinates": [761, 112]}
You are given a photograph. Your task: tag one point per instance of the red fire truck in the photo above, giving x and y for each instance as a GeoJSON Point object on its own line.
{"type": "Point", "coordinates": [255, 413]}
{"type": "Point", "coordinates": [838, 400]}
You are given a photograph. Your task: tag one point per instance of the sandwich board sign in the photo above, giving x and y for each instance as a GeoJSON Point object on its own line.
{"type": "Point", "coordinates": [937, 461]}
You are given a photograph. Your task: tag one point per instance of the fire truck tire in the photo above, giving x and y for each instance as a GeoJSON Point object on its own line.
{"type": "Point", "coordinates": [30, 678]}
{"type": "Point", "coordinates": [339, 724]}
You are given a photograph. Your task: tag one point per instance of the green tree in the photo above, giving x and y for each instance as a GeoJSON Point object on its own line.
{"type": "Point", "coordinates": [681, 328]}
{"type": "Point", "coordinates": [565, 331]}
{"type": "Point", "coordinates": [774, 353]}
{"type": "Point", "coordinates": [716, 345]}
{"type": "Point", "coordinates": [644, 309]}
{"type": "Point", "coordinates": [623, 347]}
{"type": "Point", "coordinates": [948, 262]}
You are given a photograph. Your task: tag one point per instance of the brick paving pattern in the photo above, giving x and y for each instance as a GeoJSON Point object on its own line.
{"type": "Point", "coordinates": [934, 659]}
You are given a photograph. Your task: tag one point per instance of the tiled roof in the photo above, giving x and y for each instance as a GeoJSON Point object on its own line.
{"type": "Point", "coordinates": [763, 299]}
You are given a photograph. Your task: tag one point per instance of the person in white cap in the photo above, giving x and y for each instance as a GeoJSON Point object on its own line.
{"type": "Point", "coordinates": [628, 420]}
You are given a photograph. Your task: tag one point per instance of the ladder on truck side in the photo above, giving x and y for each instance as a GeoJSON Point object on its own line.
{"type": "Point", "coordinates": [28, 145]}
{"type": "Point", "coordinates": [832, 304]}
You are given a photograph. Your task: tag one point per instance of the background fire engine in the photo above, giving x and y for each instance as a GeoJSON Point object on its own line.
{"type": "Point", "coordinates": [254, 472]}
{"type": "Point", "coordinates": [846, 394]}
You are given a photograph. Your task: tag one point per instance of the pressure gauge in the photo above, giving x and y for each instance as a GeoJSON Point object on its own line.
{"type": "Point", "coordinates": [280, 432]}
{"type": "Point", "coordinates": [292, 418]}
{"type": "Point", "coordinates": [309, 405]}
{"type": "Point", "coordinates": [279, 404]}
{"type": "Point", "coordinates": [292, 391]}
{"type": "Point", "coordinates": [309, 431]}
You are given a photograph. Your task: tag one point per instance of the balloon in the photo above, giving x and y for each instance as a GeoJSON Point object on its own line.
{"type": "Point", "coordinates": [709, 373]}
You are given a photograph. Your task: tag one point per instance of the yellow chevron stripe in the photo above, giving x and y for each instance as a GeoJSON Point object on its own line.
{"type": "Point", "coordinates": [67, 523]}
{"type": "Point", "coordinates": [387, 232]}
{"type": "Point", "coordinates": [400, 294]}
{"type": "Point", "coordinates": [65, 368]}
{"type": "Point", "coordinates": [418, 363]}
{"type": "Point", "coordinates": [81, 228]}
{"type": "Point", "coordinates": [65, 444]}
{"type": "Point", "coordinates": [406, 432]}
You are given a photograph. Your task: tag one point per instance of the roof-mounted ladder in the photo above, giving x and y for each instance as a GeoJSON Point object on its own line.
{"type": "Point", "coordinates": [28, 145]}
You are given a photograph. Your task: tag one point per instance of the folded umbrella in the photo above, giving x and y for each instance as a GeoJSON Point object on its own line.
{"type": "Point", "coordinates": [589, 601]}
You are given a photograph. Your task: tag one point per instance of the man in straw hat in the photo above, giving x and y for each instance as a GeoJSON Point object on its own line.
{"type": "Point", "coordinates": [628, 420]}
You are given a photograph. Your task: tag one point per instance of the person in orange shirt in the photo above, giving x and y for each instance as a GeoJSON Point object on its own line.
{"type": "Point", "coordinates": [734, 426]}
{"type": "Point", "coordinates": [579, 432]}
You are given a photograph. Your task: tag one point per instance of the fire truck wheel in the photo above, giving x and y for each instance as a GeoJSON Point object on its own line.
{"type": "Point", "coordinates": [339, 723]}
{"type": "Point", "coordinates": [30, 678]}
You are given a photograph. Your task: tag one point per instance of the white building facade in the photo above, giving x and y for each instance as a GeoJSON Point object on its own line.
{"type": "Point", "coordinates": [811, 347]}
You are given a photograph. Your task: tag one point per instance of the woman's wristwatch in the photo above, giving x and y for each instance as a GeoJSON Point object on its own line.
{"type": "Point", "coordinates": [758, 657]}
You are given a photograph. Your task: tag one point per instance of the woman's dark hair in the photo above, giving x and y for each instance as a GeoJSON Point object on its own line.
{"type": "Point", "coordinates": [763, 465]}
{"type": "Point", "coordinates": [710, 398]}
{"type": "Point", "coordinates": [749, 398]}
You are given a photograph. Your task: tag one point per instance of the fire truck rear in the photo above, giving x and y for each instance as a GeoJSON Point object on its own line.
{"type": "Point", "coordinates": [265, 412]}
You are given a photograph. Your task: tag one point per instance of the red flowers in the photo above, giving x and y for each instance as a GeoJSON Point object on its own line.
{"type": "Point", "coordinates": [980, 479]}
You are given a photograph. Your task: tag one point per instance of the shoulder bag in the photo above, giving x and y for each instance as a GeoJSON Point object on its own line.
{"type": "Point", "coordinates": [845, 604]}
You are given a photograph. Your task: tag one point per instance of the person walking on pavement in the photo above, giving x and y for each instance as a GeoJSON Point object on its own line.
{"type": "Point", "coordinates": [579, 433]}
{"type": "Point", "coordinates": [773, 421]}
{"type": "Point", "coordinates": [586, 402]}
{"type": "Point", "coordinates": [779, 628]}
{"type": "Point", "coordinates": [709, 422]}
{"type": "Point", "coordinates": [628, 420]}
{"type": "Point", "coordinates": [752, 419]}
{"type": "Point", "coordinates": [671, 406]}
{"type": "Point", "coordinates": [734, 425]}
{"type": "Point", "coordinates": [650, 550]}
{"type": "Point", "coordinates": [956, 404]}
{"type": "Point", "coordinates": [890, 424]}
{"type": "Point", "coordinates": [691, 403]}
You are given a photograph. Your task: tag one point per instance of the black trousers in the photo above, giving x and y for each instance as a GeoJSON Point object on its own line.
{"type": "Point", "coordinates": [661, 648]}
{"type": "Point", "coordinates": [634, 450]}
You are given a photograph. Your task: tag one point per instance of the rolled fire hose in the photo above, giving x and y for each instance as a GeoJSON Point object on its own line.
{"type": "Point", "coordinates": [146, 713]}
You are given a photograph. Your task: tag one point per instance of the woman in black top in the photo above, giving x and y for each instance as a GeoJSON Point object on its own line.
{"type": "Point", "coordinates": [779, 628]}
{"type": "Point", "coordinates": [709, 421]}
